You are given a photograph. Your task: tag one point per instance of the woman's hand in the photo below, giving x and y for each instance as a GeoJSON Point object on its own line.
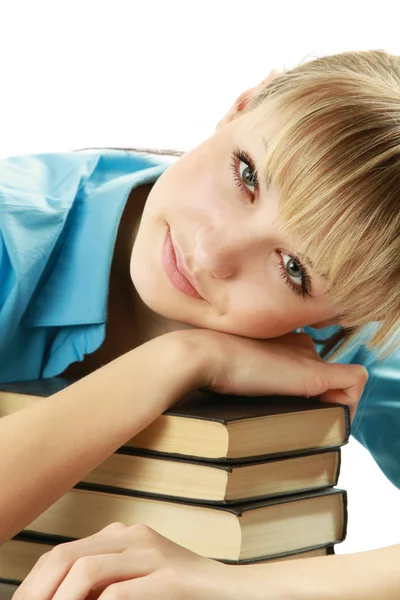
{"type": "Point", "coordinates": [288, 365]}
{"type": "Point", "coordinates": [139, 564]}
{"type": "Point", "coordinates": [126, 562]}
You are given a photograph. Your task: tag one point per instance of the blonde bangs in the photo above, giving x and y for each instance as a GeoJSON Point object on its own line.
{"type": "Point", "coordinates": [336, 164]}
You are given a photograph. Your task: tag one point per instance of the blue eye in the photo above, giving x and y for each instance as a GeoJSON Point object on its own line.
{"type": "Point", "coordinates": [293, 269]}
{"type": "Point", "coordinates": [248, 175]}
{"type": "Point", "coordinates": [295, 274]}
{"type": "Point", "coordinates": [245, 173]}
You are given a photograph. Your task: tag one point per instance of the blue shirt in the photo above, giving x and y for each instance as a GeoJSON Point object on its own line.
{"type": "Point", "coordinates": [59, 216]}
{"type": "Point", "coordinates": [376, 423]}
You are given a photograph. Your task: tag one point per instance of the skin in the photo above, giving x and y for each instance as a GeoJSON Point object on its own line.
{"type": "Point", "coordinates": [229, 240]}
{"type": "Point", "coordinates": [231, 244]}
{"type": "Point", "coordinates": [136, 562]}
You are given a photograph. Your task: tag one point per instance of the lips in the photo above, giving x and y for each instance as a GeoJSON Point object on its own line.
{"type": "Point", "coordinates": [175, 270]}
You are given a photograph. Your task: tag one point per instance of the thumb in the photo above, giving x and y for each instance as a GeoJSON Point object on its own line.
{"type": "Point", "coordinates": [351, 395]}
{"type": "Point", "coordinates": [341, 397]}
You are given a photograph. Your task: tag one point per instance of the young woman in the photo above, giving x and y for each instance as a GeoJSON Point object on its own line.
{"type": "Point", "coordinates": [149, 277]}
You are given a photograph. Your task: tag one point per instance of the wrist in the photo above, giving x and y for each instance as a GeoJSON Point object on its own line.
{"type": "Point", "coordinates": [184, 361]}
{"type": "Point", "coordinates": [193, 349]}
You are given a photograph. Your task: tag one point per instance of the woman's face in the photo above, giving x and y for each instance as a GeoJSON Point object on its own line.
{"type": "Point", "coordinates": [209, 250]}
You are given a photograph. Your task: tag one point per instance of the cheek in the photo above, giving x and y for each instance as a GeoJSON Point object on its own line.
{"type": "Point", "coordinates": [260, 316]}
{"type": "Point", "coordinates": [262, 324]}
{"type": "Point", "coordinates": [267, 313]}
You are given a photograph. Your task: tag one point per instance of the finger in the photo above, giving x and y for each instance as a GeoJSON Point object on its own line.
{"type": "Point", "coordinates": [323, 377]}
{"type": "Point", "coordinates": [94, 572]}
{"type": "Point", "coordinates": [157, 585]}
{"type": "Point", "coordinates": [352, 379]}
{"type": "Point", "coordinates": [349, 396]}
{"type": "Point", "coordinates": [340, 397]}
{"type": "Point", "coordinates": [315, 377]}
{"type": "Point", "coordinates": [50, 570]}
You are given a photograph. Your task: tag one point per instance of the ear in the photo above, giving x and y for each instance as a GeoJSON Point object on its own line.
{"type": "Point", "coordinates": [245, 98]}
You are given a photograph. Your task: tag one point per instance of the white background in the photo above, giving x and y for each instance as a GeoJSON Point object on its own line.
{"type": "Point", "coordinates": [160, 74]}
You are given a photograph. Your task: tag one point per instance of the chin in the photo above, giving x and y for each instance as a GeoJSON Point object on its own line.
{"type": "Point", "coordinates": [155, 300]}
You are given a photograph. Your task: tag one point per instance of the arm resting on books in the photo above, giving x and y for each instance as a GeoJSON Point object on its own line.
{"type": "Point", "coordinates": [137, 562]}
{"type": "Point", "coordinates": [47, 448]}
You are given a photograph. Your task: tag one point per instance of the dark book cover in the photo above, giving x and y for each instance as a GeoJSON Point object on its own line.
{"type": "Point", "coordinates": [208, 406]}
{"type": "Point", "coordinates": [199, 404]}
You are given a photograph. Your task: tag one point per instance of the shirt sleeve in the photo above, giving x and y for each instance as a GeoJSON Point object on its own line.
{"type": "Point", "coordinates": [377, 422]}
{"type": "Point", "coordinates": [36, 195]}
{"type": "Point", "coordinates": [59, 218]}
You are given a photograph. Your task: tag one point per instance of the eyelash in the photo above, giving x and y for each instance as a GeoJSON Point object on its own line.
{"type": "Point", "coordinates": [239, 156]}
{"type": "Point", "coordinates": [242, 156]}
{"type": "Point", "coordinates": [305, 278]}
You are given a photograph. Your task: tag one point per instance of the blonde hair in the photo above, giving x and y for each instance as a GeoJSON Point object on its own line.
{"type": "Point", "coordinates": [336, 164]}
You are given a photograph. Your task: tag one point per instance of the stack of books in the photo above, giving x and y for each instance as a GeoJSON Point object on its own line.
{"type": "Point", "coordinates": [237, 479]}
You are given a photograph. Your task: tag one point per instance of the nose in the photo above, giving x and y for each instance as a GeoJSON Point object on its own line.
{"type": "Point", "coordinates": [222, 253]}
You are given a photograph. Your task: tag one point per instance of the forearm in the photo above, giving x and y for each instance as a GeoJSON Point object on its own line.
{"type": "Point", "coordinates": [48, 448]}
{"type": "Point", "coordinates": [360, 576]}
